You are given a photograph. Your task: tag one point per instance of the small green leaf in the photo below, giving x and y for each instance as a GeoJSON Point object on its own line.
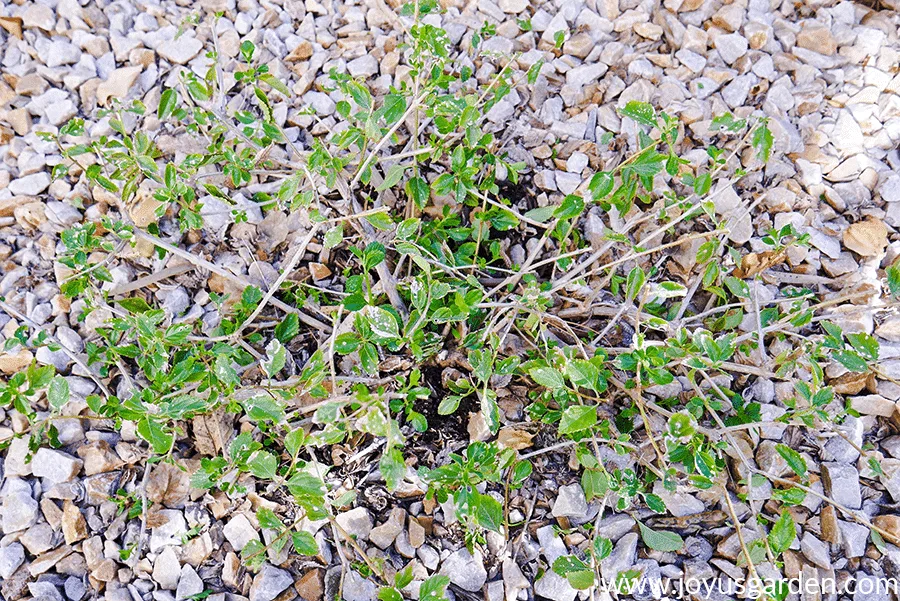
{"type": "Point", "coordinates": [288, 328]}
{"type": "Point", "coordinates": [262, 408]}
{"type": "Point", "coordinates": [392, 467]}
{"type": "Point", "coordinates": [794, 459]}
{"type": "Point", "coordinates": [783, 533]}
{"type": "Point", "coordinates": [660, 540]}
{"type": "Point", "coordinates": [577, 418]}
{"type": "Point", "coordinates": [58, 393]}
{"type": "Point", "coordinates": [168, 100]}
{"type": "Point", "coordinates": [334, 236]}
{"type": "Point", "coordinates": [547, 376]}
{"type": "Point", "coordinates": [276, 358]}
{"type": "Point", "coordinates": [641, 112]}
{"type": "Point", "coordinates": [263, 465]}
{"type": "Point", "coordinates": [381, 322]}
{"type": "Point", "coordinates": [434, 588]}
{"type": "Point", "coordinates": [304, 543]}
{"type": "Point", "coordinates": [392, 177]}
{"type": "Point", "coordinates": [489, 513]}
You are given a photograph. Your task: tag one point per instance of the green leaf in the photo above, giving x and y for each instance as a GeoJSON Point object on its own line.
{"type": "Point", "coordinates": [577, 418]}
{"type": "Point", "coordinates": [418, 190]}
{"type": "Point", "coordinates": [154, 433]}
{"type": "Point", "coordinates": [581, 580]}
{"type": "Point", "coordinates": [660, 540]}
{"type": "Point", "coordinates": [275, 83]}
{"type": "Point", "coordinates": [267, 519]}
{"type": "Point", "coordinates": [288, 328]}
{"type": "Point", "coordinates": [263, 465]}
{"type": "Point", "coordinates": [783, 533]}
{"type": "Point", "coordinates": [595, 484]}
{"type": "Point", "coordinates": [583, 374]}
{"type": "Point", "coordinates": [380, 220]}
{"type": "Point", "coordinates": [334, 236]}
{"type": "Point", "coordinates": [392, 468]}
{"type": "Point", "coordinates": [763, 141]}
{"type": "Point", "coordinates": [394, 107]}
{"type": "Point", "coordinates": [489, 513]}
{"type": "Point", "coordinates": [634, 283]}
{"type": "Point", "coordinates": [641, 112]}
{"type": "Point", "coordinates": [294, 440]}
{"type": "Point", "coordinates": [304, 543]}
{"type": "Point", "coordinates": [434, 588]}
{"type": "Point", "coordinates": [601, 185]}
{"type": "Point", "coordinates": [602, 548]}
{"type": "Point", "coordinates": [381, 322]}
{"type": "Point", "coordinates": [392, 177]}
{"type": "Point", "coordinates": [253, 554]}
{"type": "Point", "coordinates": [739, 288]}
{"type": "Point", "coordinates": [579, 574]}
{"type": "Point", "coordinates": [851, 361]}
{"type": "Point", "coordinates": [790, 496]}
{"type": "Point", "coordinates": [134, 304]}
{"type": "Point", "coordinates": [262, 408]}
{"type": "Point", "coordinates": [276, 358]}
{"type": "Point", "coordinates": [893, 279]}
{"type": "Point", "coordinates": [167, 102]}
{"type": "Point", "coordinates": [794, 459]}
{"type": "Point", "coordinates": [547, 376]}
{"type": "Point", "coordinates": [58, 393]}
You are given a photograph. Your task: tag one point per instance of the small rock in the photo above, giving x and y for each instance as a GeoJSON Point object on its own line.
{"type": "Point", "coordinates": [269, 583]}
{"type": "Point", "coordinates": [167, 569]}
{"type": "Point", "coordinates": [180, 51]}
{"type": "Point", "coordinates": [873, 404]}
{"type": "Point", "coordinates": [239, 531]}
{"type": "Point", "coordinates": [118, 84]}
{"type": "Point", "coordinates": [570, 502]}
{"type": "Point", "coordinates": [11, 557]}
{"type": "Point", "coordinates": [74, 526]}
{"type": "Point", "coordinates": [55, 466]}
{"type": "Point", "coordinates": [465, 570]}
{"type": "Point", "coordinates": [383, 536]}
{"type": "Point", "coordinates": [622, 557]}
{"type": "Point", "coordinates": [867, 238]}
{"type": "Point", "coordinates": [817, 38]}
{"type": "Point", "coordinates": [356, 522]}
{"type": "Point", "coordinates": [731, 47]}
{"type": "Point", "coordinates": [365, 66]}
{"type": "Point", "coordinates": [357, 588]}
{"type": "Point", "coordinates": [189, 584]}
{"type": "Point", "coordinates": [842, 484]}
{"type": "Point", "coordinates": [20, 510]}
{"type": "Point", "coordinates": [816, 551]}
{"type": "Point", "coordinates": [30, 185]}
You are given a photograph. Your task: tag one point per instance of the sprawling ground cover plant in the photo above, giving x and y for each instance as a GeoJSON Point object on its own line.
{"type": "Point", "coordinates": [411, 190]}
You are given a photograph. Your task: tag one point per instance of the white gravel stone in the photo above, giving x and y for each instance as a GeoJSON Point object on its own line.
{"type": "Point", "coordinates": [181, 50]}
{"type": "Point", "coordinates": [55, 466]}
{"type": "Point", "coordinates": [239, 531]}
{"type": "Point", "coordinates": [570, 502]}
{"type": "Point", "coordinates": [11, 557]}
{"type": "Point", "coordinates": [356, 522]}
{"type": "Point", "coordinates": [731, 47]}
{"type": "Point", "coordinates": [465, 570]}
{"type": "Point", "coordinates": [31, 185]}
{"type": "Point", "coordinates": [167, 569]}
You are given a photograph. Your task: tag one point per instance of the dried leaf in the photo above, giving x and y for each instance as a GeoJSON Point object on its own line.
{"type": "Point", "coordinates": [867, 238]}
{"type": "Point", "coordinates": [510, 438]}
{"type": "Point", "coordinates": [754, 264]}
{"type": "Point", "coordinates": [169, 484]}
{"type": "Point", "coordinates": [212, 432]}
